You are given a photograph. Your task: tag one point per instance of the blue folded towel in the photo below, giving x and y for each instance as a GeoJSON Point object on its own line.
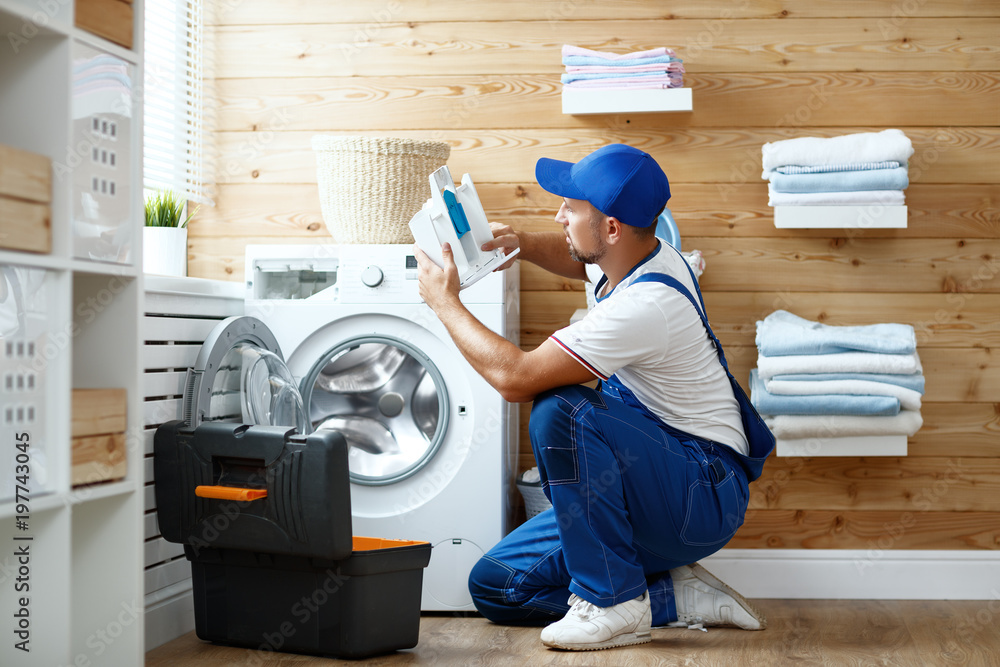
{"type": "Point", "coordinates": [914, 381]}
{"type": "Point", "coordinates": [842, 181]}
{"type": "Point", "coordinates": [624, 62]}
{"type": "Point", "coordinates": [782, 334]}
{"type": "Point", "coordinates": [818, 404]}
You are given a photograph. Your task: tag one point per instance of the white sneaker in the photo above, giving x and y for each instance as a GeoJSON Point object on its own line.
{"type": "Point", "coordinates": [701, 598]}
{"type": "Point", "coordinates": [587, 627]}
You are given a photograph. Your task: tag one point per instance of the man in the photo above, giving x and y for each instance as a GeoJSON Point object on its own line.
{"type": "Point", "coordinates": [647, 473]}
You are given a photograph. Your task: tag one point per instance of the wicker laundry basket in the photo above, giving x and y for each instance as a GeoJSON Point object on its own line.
{"type": "Point", "coordinates": [530, 487]}
{"type": "Point", "coordinates": [370, 187]}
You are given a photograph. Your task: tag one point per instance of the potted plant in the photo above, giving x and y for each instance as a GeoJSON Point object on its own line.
{"type": "Point", "coordinates": [164, 238]}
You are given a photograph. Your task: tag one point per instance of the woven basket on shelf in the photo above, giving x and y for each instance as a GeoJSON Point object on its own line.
{"type": "Point", "coordinates": [370, 187]}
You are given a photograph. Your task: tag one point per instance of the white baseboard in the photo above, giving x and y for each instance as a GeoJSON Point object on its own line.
{"type": "Point", "coordinates": [859, 574]}
{"type": "Point", "coordinates": [169, 618]}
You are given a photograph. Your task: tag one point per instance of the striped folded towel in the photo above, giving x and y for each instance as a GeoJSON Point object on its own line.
{"type": "Point", "coordinates": [828, 168]}
{"type": "Point", "coordinates": [887, 145]}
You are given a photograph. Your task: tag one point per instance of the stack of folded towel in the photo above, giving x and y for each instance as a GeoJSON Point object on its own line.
{"type": "Point", "coordinates": [655, 68]}
{"type": "Point", "coordinates": [851, 170]}
{"type": "Point", "coordinates": [819, 381]}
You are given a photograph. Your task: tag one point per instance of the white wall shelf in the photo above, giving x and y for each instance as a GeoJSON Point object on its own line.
{"type": "Point", "coordinates": [81, 320]}
{"type": "Point", "coordinates": [873, 445]}
{"type": "Point", "coordinates": [582, 101]}
{"type": "Point", "coordinates": [873, 573]}
{"type": "Point", "coordinates": [872, 216]}
{"type": "Point", "coordinates": [25, 19]}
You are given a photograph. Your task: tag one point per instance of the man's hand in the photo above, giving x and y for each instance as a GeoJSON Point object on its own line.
{"type": "Point", "coordinates": [438, 287]}
{"type": "Point", "coordinates": [505, 238]}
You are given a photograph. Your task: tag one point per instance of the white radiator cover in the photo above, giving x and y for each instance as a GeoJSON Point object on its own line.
{"type": "Point", "coordinates": [178, 314]}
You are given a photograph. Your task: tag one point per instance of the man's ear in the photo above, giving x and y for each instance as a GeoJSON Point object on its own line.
{"type": "Point", "coordinates": [615, 230]}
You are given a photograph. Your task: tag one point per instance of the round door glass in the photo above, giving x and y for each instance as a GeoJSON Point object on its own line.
{"type": "Point", "coordinates": [254, 386]}
{"type": "Point", "coordinates": [387, 400]}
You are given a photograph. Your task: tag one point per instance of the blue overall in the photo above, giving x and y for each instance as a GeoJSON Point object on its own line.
{"type": "Point", "coordinates": [632, 497]}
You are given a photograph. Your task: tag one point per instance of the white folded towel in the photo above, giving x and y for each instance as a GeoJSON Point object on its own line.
{"type": "Point", "coordinates": [852, 198]}
{"type": "Point", "coordinates": [788, 427]}
{"type": "Point", "coordinates": [860, 147]}
{"type": "Point", "coordinates": [844, 362]}
{"type": "Point", "coordinates": [908, 398]}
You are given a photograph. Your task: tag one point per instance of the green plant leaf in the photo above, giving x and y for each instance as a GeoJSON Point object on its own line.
{"type": "Point", "coordinates": [164, 209]}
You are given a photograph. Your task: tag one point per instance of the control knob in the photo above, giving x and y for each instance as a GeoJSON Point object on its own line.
{"type": "Point", "coordinates": [372, 276]}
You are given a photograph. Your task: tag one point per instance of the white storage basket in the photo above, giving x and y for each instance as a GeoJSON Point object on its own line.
{"type": "Point", "coordinates": [535, 501]}
{"type": "Point", "coordinates": [370, 187]}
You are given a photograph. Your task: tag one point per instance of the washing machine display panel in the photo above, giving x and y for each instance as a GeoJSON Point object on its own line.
{"type": "Point", "coordinates": [386, 398]}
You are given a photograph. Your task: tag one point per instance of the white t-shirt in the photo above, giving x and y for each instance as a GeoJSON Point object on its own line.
{"type": "Point", "coordinates": [651, 337]}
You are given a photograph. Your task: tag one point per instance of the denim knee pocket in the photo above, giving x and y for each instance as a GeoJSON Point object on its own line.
{"type": "Point", "coordinates": [561, 464]}
{"type": "Point", "coordinates": [714, 512]}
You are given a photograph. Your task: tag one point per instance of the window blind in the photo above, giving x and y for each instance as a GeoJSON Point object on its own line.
{"type": "Point", "coordinates": [177, 120]}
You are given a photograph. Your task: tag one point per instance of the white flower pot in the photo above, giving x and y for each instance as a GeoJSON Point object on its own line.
{"type": "Point", "coordinates": [164, 250]}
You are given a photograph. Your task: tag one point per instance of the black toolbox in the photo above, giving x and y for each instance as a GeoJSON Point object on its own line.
{"type": "Point", "coordinates": [265, 517]}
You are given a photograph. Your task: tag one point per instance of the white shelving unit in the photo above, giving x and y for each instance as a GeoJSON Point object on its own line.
{"type": "Point", "coordinates": [78, 594]}
{"type": "Point", "coordinates": [582, 101]}
{"type": "Point", "coordinates": [874, 216]}
{"type": "Point", "coordinates": [868, 445]}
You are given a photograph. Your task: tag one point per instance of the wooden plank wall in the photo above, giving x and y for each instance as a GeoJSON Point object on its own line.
{"type": "Point", "coordinates": [484, 76]}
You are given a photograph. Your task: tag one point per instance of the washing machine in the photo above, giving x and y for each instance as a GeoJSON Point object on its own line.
{"type": "Point", "coordinates": [433, 447]}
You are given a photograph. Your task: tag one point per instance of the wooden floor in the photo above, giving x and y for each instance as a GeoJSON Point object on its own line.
{"type": "Point", "coordinates": [800, 632]}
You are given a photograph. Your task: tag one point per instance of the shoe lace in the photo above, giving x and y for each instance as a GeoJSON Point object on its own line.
{"type": "Point", "coordinates": [584, 610]}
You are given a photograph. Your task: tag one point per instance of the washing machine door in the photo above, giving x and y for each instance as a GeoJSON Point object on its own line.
{"type": "Point", "coordinates": [240, 376]}
{"type": "Point", "coordinates": [387, 398]}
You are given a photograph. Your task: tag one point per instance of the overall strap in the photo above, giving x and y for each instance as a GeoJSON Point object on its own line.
{"type": "Point", "coordinates": [670, 281]}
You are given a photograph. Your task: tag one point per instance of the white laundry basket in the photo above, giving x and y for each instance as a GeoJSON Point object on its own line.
{"type": "Point", "coordinates": [370, 187]}
{"type": "Point", "coordinates": [530, 487]}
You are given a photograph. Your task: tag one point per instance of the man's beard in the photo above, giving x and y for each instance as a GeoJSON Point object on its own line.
{"type": "Point", "coordinates": [591, 257]}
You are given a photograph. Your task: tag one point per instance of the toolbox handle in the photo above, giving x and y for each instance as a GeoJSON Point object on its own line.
{"type": "Point", "coordinates": [229, 492]}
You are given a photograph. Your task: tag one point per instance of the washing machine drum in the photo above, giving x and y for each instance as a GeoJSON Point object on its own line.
{"type": "Point", "coordinates": [387, 398]}
{"type": "Point", "coordinates": [240, 376]}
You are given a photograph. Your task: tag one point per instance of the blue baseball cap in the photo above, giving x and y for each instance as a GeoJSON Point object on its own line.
{"type": "Point", "coordinates": [620, 181]}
